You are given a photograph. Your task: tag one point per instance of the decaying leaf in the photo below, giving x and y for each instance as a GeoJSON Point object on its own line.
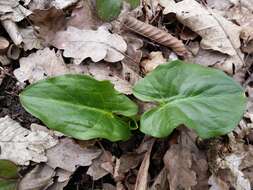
{"type": "Point", "coordinates": [160, 182]}
{"type": "Point", "coordinates": [68, 155]}
{"type": "Point", "coordinates": [97, 44]}
{"type": "Point", "coordinates": [21, 145]}
{"type": "Point", "coordinates": [217, 33]}
{"type": "Point", "coordinates": [217, 183]}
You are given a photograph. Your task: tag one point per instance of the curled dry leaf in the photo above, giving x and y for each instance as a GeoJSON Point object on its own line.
{"type": "Point", "coordinates": [97, 44]}
{"type": "Point", "coordinates": [217, 33]}
{"type": "Point", "coordinates": [21, 145]}
{"type": "Point", "coordinates": [12, 10]}
{"type": "Point", "coordinates": [68, 155]}
{"type": "Point", "coordinates": [155, 59]}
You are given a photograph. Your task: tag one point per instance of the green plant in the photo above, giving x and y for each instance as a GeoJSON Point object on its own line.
{"type": "Point", "coordinates": [201, 98]}
{"type": "Point", "coordinates": [110, 9]}
{"type": "Point", "coordinates": [8, 175]}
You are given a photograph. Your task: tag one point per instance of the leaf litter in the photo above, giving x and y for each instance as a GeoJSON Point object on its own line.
{"type": "Point", "coordinates": [66, 36]}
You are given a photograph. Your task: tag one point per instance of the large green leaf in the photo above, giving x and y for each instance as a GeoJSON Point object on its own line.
{"type": "Point", "coordinates": [204, 99]}
{"type": "Point", "coordinates": [8, 175]}
{"type": "Point", "coordinates": [80, 106]}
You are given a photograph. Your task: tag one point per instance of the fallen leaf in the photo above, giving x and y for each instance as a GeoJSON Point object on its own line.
{"type": "Point", "coordinates": [217, 183]}
{"type": "Point", "coordinates": [97, 44]}
{"type": "Point", "coordinates": [68, 155]}
{"type": "Point", "coordinates": [12, 10]}
{"type": "Point", "coordinates": [83, 16]}
{"type": "Point", "coordinates": [155, 59]}
{"type": "Point", "coordinates": [161, 182]}
{"type": "Point", "coordinates": [21, 145]}
{"type": "Point", "coordinates": [62, 4]}
{"type": "Point", "coordinates": [49, 21]}
{"type": "Point", "coordinates": [142, 177]}
{"type": "Point", "coordinates": [40, 65]}
{"type": "Point", "coordinates": [217, 33]}
{"type": "Point", "coordinates": [39, 177]}
{"type": "Point", "coordinates": [30, 40]}
{"type": "Point", "coordinates": [96, 171]}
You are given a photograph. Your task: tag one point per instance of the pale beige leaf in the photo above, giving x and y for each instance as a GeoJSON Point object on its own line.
{"type": "Point", "coordinates": [21, 145]}
{"type": "Point", "coordinates": [217, 183]}
{"type": "Point", "coordinates": [68, 155]}
{"type": "Point", "coordinates": [97, 44]}
{"type": "Point", "coordinates": [217, 33]}
{"type": "Point", "coordinates": [155, 59]}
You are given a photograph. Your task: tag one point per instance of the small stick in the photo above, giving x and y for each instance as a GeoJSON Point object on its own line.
{"type": "Point", "coordinates": [160, 36]}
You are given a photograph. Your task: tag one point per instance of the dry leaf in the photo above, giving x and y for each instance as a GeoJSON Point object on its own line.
{"type": "Point", "coordinates": [217, 183]}
{"type": "Point", "coordinates": [21, 145]}
{"type": "Point", "coordinates": [96, 170]}
{"type": "Point", "coordinates": [217, 33]}
{"type": "Point", "coordinates": [155, 59]}
{"type": "Point", "coordinates": [11, 9]}
{"type": "Point", "coordinates": [40, 177]}
{"type": "Point", "coordinates": [49, 21]}
{"type": "Point", "coordinates": [160, 182]}
{"type": "Point", "coordinates": [142, 177]}
{"type": "Point", "coordinates": [97, 44]}
{"type": "Point", "coordinates": [40, 65]}
{"type": "Point", "coordinates": [83, 16]}
{"type": "Point", "coordinates": [68, 155]}
{"type": "Point", "coordinates": [30, 40]}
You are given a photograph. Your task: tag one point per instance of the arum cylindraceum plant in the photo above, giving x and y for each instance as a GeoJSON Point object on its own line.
{"type": "Point", "coordinates": [204, 99]}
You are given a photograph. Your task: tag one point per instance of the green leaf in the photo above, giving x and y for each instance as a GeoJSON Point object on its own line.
{"type": "Point", "coordinates": [8, 175]}
{"type": "Point", "coordinates": [133, 3]}
{"type": "Point", "coordinates": [8, 184]}
{"type": "Point", "coordinates": [80, 106]}
{"type": "Point", "coordinates": [204, 99]}
{"type": "Point", "coordinates": [108, 9]}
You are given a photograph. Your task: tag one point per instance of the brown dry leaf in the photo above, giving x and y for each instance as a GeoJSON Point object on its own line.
{"type": "Point", "coordinates": [49, 21]}
{"type": "Point", "coordinates": [11, 9]}
{"type": "Point", "coordinates": [39, 177]}
{"type": "Point", "coordinates": [217, 33]}
{"type": "Point", "coordinates": [178, 161]}
{"type": "Point", "coordinates": [142, 177]}
{"type": "Point", "coordinates": [155, 59]}
{"type": "Point", "coordinates": [83, 16]}
{"type": "Point", "coordinates": [68, 155]}
{"type": "Point", "coordinates": [107, 186]}
{"type": "Point", "coordinates": [44, 4]}
{"type": "Point", "coordinates": [97, 44]}
{"type": "Point", "coordinates": [161, 182]}
{"type": "Point", "coordinates": [21, 145]}
{"type": "Point", "coordinates": [98, 168]}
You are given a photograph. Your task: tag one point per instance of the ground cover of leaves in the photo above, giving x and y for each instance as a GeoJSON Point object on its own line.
{"type": "Point", "coordinates": [41, 38]}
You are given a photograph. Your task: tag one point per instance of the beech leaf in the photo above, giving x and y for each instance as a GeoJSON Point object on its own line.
{"type": "Point", "coordinates": [204, 99]}
{"type": "Point", "coordinates": [80, 106]}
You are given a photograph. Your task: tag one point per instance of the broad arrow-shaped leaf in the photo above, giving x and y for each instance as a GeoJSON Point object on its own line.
{"type": "Point", "coordinates": [204, 99]}
{"type": "Point", "coordinates": [80, 106]}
